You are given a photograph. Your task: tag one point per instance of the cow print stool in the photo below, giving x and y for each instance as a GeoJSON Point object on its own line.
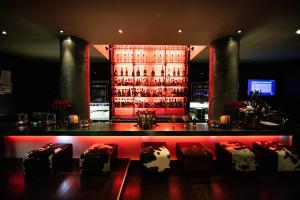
{"type": "Point", "coordinates": [48, 159]}
{"type": "Point", "coordinates": [155, 158]}
{"type": "Point", "coordinates": [236, 157]}
{"type": "Point", "coordinates": [194, 158]}
{"type": "Point", "coordinates": [277, 157]}
{"type": "Point", "coordinates": [97, 159]}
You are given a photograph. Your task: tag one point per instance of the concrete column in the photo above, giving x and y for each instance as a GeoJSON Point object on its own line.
{"type": "Point", "coordinates": [75, 75]}
{"type": "Point", "coordinates": [223, 76]}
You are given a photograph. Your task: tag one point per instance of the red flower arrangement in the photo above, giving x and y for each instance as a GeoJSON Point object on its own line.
{"type": "Point", "coordinates": [237, 104]}
{"type": "Point", "coordinates": [61, 104]}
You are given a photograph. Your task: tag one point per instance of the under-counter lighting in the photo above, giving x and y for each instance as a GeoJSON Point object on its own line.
{"type": "Point", "coordinates": [298, 32]}
{"type": "Point", "coordinates": [120, 31]}
{"type": "Point", "coordinates": [4, 33]}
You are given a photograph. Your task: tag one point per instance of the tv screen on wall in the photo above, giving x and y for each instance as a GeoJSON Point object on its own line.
{"type": "Point", "coordinates": [264, 86]}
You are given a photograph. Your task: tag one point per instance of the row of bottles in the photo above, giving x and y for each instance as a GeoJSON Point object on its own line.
{"type": "Point", "coordinates": [149, 76]}
{"type": "Point", "coordinates": [149, 82]}
{"type": "Point", "coordinates": [160, 92]}
{"type": "Point", "coordinates": [169, 103]}
{"type": "Point", "coordinates": [145, 73]}
{"type": "Point", "coordinates": [160, 56]}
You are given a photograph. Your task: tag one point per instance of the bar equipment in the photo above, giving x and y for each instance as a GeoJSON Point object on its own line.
{"type": "Point", "coordinates": [22, 119]}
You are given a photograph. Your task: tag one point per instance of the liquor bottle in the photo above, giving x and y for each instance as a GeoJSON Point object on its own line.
{"type": "Point", "coordinates": [178, 72]}
{"type": "Point", "coordinates": [118, 57]}
{"type": "Point", "coordinates": [126, 72]}
{"type": "Point", "coordinates": [162, 71]}
{"type": "Point", "coordinates": [153, 72]}
{"type": "Point", "coordinates": [115, 72]}
{"type": "Point", "coordinates": [174, 72]}
{"type": "Point", "coordinates": [132, 72]}
{"type": "Point", "coordinates": [121, 71]}
{"type": "Point", "coordinates": [145, 71]}
{"type": "Point", "coordinates": [183, 72]}
{"type": "Point", "coordinates": [138, 72]}
{"type": "Point", "coordinates": [180, 104]}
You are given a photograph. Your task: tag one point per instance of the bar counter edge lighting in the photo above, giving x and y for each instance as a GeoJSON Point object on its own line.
{"type": "Point", "coordinates": [18, 142]}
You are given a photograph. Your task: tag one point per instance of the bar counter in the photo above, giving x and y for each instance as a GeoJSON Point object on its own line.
{"type": "Point", "coordinates": [131, 129]}
{"type": "Point", "coordinates": [17, 140]}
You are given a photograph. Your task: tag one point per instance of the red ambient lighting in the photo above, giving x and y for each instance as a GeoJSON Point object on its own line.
{"type": "Point", "coordinates": [129, 146]}
{"type": "Point", "coordinates": [149, 77]}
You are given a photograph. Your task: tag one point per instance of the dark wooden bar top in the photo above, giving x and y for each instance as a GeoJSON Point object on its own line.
{"type": "Point", "coordinates": [131, 129]}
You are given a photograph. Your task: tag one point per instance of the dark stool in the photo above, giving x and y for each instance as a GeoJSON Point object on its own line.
{"type": "Point", "coordinates": [97, 159]}
{"type": "Point", "coordinates": [155, 158]}
{"type": "Point", "coordinates": [277, 157]}
{"type": "Point", "coordinates": [49, 159]}
{"type": "Point", "coordinates": [194, 157]}
{"type": "Point", "coordinates": [235, 156]}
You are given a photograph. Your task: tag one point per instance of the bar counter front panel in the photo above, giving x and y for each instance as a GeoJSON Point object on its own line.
{"type": "Point", "coordinates": [129, 137]}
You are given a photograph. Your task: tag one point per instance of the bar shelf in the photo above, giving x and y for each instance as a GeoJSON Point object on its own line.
{"type": "Point", "coordinates": [152, 77]}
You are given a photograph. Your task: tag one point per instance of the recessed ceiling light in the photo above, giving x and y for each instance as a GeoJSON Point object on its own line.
{"type": "Point", "coordinates": [4, 32]}
{"type": "Point", "coordinates": [179, 31]}
{"type": "Point", "coordinates": [239, 31]}
{"type": "Point", "coordinates": [120, 31]}
{"type": "Point", "coordinates": [61, 31]}
{"type": "Point", "coordinates": [298, 32]}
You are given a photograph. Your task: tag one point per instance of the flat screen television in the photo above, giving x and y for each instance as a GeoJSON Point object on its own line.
{"type": "Point", "coordinates": [265, 87]}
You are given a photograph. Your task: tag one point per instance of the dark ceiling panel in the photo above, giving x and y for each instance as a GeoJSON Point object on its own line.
{"type": "Point", "coordinates": [268, 26]}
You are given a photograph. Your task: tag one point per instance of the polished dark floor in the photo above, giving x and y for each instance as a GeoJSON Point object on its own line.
{"type": "Point", "coordinates": [221, 186]}
{"type": "Point", "coordinates": [63, 185]}
{"type": "Point", "coordinates": [69, 185]}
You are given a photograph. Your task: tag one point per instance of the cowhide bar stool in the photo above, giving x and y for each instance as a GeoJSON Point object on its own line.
{"type": "Point", "coordinates": [48, 159]}
{"type": "Point", "coordinates": [194, 158]}
{"type": "Point", "coordinates": [236, 157]}
{"type": "Point", "coordinates": [98, 158]}
{"type": "Point", "coordinates": [277, 157]}
{"type": "Point", "coordinates": [155, 158]}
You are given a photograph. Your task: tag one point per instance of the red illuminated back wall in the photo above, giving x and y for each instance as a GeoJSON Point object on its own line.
{"type": "Point", "coordinates": [149, 77]}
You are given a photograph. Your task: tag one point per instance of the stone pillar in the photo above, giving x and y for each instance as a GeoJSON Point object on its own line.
{"type": "Point", "coordinates": [223, 76]}
{"type": "Point", "coordinates": [75, 75]}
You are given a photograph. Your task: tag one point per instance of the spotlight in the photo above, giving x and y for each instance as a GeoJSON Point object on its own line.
{"type": "Point", "coordinates": [4, 33]}
{"type": "Point", "coordinates": [239, 31]}
{"type": "Point", "coordinates": [120, 31]}
{"type": "Point", "coordinates": [61, 31]}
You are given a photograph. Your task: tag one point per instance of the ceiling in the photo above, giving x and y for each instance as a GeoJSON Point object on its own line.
{"type": "Point", "coordinates": [268, 26]}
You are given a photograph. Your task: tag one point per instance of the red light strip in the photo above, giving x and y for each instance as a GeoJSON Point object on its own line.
{"type": "Point", "coordinates": [129, 146]}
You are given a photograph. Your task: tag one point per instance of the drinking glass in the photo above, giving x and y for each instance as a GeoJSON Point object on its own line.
{"type": "Point", "coordinates": [185, 118]}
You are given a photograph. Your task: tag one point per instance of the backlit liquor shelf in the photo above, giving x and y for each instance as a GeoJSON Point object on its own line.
{"type": "Point", "coordinates": [149, 53]}
{"type": "Point", "coordinates": [149, 77]}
